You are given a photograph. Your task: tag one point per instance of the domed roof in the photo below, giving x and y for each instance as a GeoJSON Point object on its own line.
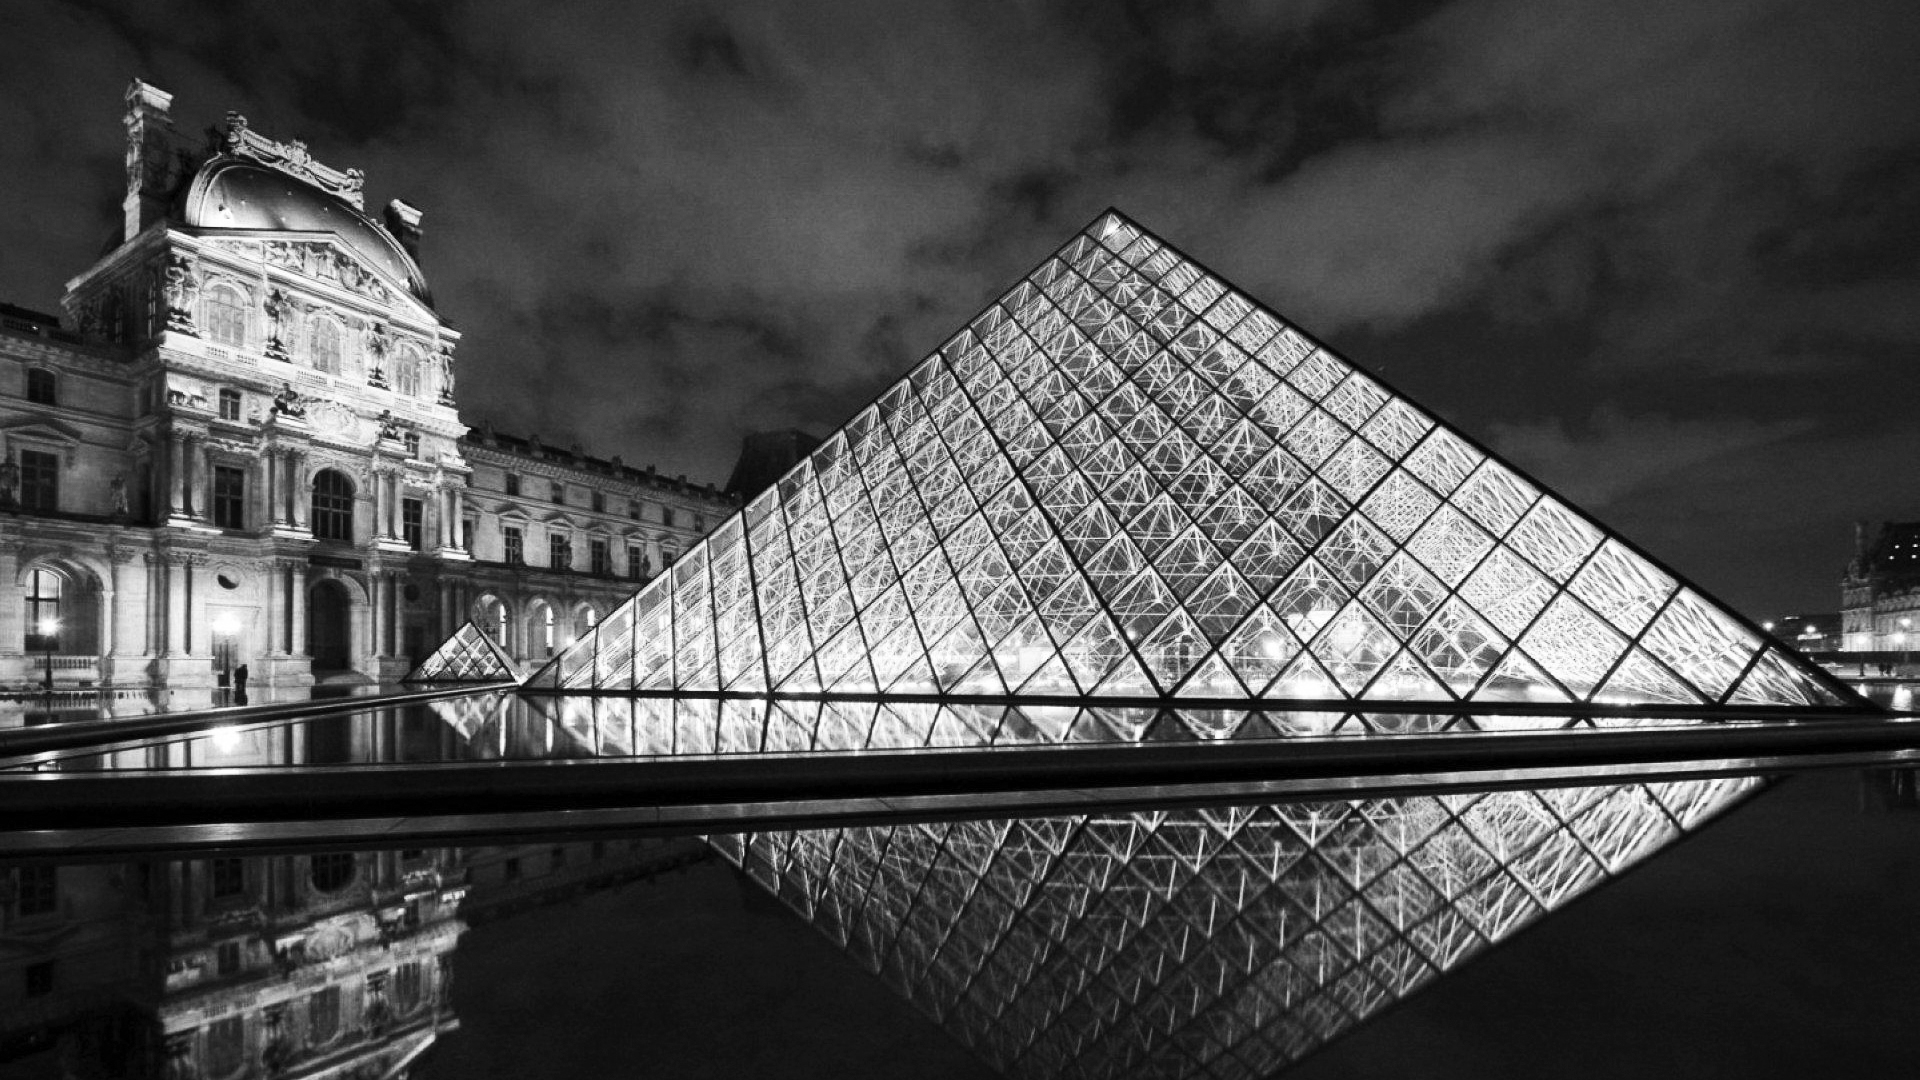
{"type": "Point", "coordinates": [235, 193]}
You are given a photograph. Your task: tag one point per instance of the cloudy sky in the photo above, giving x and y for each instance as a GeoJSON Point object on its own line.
{"type": "Point", "coordinates": [1662, 255]}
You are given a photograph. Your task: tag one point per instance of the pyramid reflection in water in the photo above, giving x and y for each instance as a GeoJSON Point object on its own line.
{"type": "Point", "coordinates": [1127, 480]}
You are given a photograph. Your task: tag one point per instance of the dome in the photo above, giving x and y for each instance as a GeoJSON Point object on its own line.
{"type": "Point", "coordinates": [234, 193]}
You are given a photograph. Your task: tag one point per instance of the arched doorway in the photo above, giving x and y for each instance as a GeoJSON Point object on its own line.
{"type": "Point", "coordinates": [330, 626]}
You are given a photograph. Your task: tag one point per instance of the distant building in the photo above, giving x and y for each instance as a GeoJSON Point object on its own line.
{"type": "Point", "coordinates": [1809, 633]}
{"type": "Point", "coordinates": [764, 457]}
{"type": "Point", "coordinates": [1880, 594]}
{"type": "Point", "coordinates": [239, 444]}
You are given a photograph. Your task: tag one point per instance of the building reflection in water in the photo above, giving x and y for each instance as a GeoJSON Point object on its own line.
{"type": "Point", "coordinates": [1207, 942]}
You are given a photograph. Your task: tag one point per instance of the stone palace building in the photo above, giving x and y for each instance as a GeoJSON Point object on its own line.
{"type": "Point", "coordinates": [240, 443]}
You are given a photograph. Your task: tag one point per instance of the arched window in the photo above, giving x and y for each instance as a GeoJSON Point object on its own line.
{"type": "Point", "coordinates": [543, 627]}
{"type": "Point", "coordinates": [43, 610]}
{"type": "Point", "coordinates": [406, 988]}
{"type": "Point", "coordinates": [226, 1046]}
{"type": "Point", "coordinates": [223, 317]}
{"type": "Point", "coordinates": [332, 506]}
{"type": "Point", "coordinates": [500, 624]}
{"type": "Point", "coordinates": [583, 621]}
{"type": "Point", "coordinates": [406, 373]}
{"type": "Point", "coordinates": [323, 345]}
{"type": "Point", "coordinates": [323, 1016]}
{"type": "Point", "coordinates": [40, 387]}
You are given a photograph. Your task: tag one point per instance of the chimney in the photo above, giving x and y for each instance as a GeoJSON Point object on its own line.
{"type": "Point", "coordinates": [403, 222]}
{"type": "Point", "coordinates": [150, 163]}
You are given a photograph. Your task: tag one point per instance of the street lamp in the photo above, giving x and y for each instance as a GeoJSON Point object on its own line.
{"type": "Point", "coordinates": [49, 629]}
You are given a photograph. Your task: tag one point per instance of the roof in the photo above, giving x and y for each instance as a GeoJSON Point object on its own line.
{"type": "Point", "coordinates": [232, 192]}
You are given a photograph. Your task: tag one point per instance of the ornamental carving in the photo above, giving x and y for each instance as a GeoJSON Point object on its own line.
{"type": "Point", "coordinates": [180, 290]}
{"type": "Point", "coordinates": [321, 259]}
{"type": "Point", "coordinates": [292, 157]}
{"type": "Point", "coordinates": [333, 418]}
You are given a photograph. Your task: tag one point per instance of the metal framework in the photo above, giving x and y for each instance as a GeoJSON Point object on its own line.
{"type": "Point", "coordinates": [1128, 503]}
{"type": "Point", "coordinates": [468, 656]}
{"type": "Point", "coordinates": [1126, 479]}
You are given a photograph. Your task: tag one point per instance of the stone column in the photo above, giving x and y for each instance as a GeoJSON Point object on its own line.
{"type": "Point", "coordinates": [296, 488]}
{"type": "Point", "coordinates": [176, 475]}
{"type": "Point", "coordinates": [377, 589]}
{"type": "Point", "coordinates": [298, 622]}
{"type": "Point", "coordinates": [270, 605]}
{"type": "Point", "coordinates": [177, 599]}
{"type": "Point", "coordinates": [200, 463]}
{"type": "Point", "coordinates": [269, 487]}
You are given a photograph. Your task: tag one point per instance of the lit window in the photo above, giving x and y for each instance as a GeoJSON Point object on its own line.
{"type": "Point", "coordinates": [43, 609]}
{"type": "Point", "coordinates": [40, 386]}
{"type": "Point", "coordinates": [224, 317]}
{"type": "Point", "coordinates": [229, 404]}
{"type": "Point", "coordinates": [546, 629]}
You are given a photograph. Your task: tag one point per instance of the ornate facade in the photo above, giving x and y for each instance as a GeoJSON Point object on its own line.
{"type": "Point", "coordinates": [240, 444]}
{"type": "Point", "coordinates": [1880, 593]}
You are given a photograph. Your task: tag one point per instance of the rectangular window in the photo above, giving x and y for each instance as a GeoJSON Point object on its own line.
{"type": "Point", "coordinates": [515, 549]}
{"type": "Point", "coordinates": [40, 979]}
{"type": "Point", "coordinates": [227, 957]}
{"type": "Point", "coordinates": [229, 497]}
{"type": "Point", "coordinates": [37, 890]}
{"type": "Point", "coordinates": [40, 387]}
{"type": "Point", "coordinates": [636, 563]}
{"type": "Point", "coordinates": [559, 552]}
{"type": "Point", "coordinates": [633, 509]}
{"type": "Point", "coordinates": [602, 556]}
{"type": "Point", "coordinates": [412, 523]}
{"type": "Point", "coordinates": [39, 480]}
{"type": "Point", "coordinates": [412, 439]}
{"type": "Point", "coordinates": [699, 524]}
{"type": "Point", "coordinates": [229, 404]}
{"type": "Point", "coordinates": [468, 526]}
{"type": "Point", "coordinates": [226, 877]}
{"type": "Point", "coordinates": [666, 515]}
{"type": "Point", "coordinates": [513, 484]}
{"type": "Point", "coordinates": [599, 502]}
{"type": "Point", "coordinates": [558, 491]}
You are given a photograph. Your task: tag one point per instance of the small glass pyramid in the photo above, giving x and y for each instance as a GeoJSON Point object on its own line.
{"type": "Point", "coordinates": [1127, 480]}
{"type": "Point", "coordinates": [468, 656]}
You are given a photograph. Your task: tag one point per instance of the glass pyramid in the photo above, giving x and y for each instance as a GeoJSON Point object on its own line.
{"type": "Point", "coordinates": [468, 656]}
{"type": "Point", "coordinates": [1128, 480]}
{"type": "Point", "coordinates": [1203, 943]}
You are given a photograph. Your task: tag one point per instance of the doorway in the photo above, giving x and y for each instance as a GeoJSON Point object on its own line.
{"type": "Point", "coordinates": [330, 627]}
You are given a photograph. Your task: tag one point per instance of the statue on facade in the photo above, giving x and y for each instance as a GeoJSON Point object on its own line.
{"type": "Point", "coordinates": [389, 426]}
{"type": "Point", "coordinates": [446, 374]}
{"type": "Point", "coordinates": [117, 496]}
{"type": "Point", "coordinates": [279, 315]}
{"type": "Point", "coordinates": [378, 344]}
{"type": "Point", "coordinates": [179, 290]}
{"type": "Point", "coordinates": [288, 402]}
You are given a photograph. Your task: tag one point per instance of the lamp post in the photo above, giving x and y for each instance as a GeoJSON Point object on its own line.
{"type": "Point", "coordinates": [49, 631]}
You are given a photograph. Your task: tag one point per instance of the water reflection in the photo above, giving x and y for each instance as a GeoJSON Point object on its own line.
{"type": "Point", "coordinates": [333, 963]}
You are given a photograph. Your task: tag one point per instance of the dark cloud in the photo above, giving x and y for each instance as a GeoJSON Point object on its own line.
{"type": "Point", "coordinates": [1674, 241]}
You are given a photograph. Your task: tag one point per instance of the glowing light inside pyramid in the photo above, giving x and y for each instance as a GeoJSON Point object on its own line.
{"type": "Point", "coordinates": [468, 656]}
{"type": "Point", "coordinates": [1126, 479]}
